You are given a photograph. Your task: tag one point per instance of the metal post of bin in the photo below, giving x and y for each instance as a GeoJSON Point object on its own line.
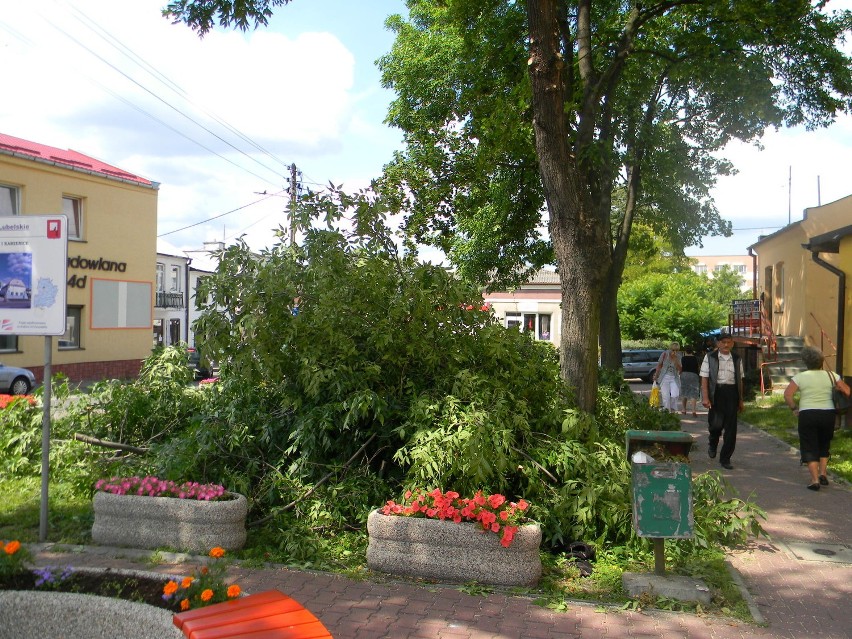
{"type": "Point", "coordinates": [659, 555]}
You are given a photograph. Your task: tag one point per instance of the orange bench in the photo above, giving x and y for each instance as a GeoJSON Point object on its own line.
{"type": "Point", "coordinates": [265, 615]}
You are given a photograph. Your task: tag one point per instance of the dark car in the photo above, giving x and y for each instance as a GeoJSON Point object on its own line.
{"type": "Point", "coordinates": [640, 363]}
{"type": "Point", "coordinates": [16, 381]}
{"type": "Point", "coordinates": [200, 366]}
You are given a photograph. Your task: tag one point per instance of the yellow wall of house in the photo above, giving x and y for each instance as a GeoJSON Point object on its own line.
{"type": "Point", "coordinates": [119, 225]}
{"type": "Point", "coordinates": [805, 304]}
{"type": "Point", "coordinates": [844, 263]}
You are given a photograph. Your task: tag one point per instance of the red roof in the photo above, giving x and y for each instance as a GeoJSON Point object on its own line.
{"type": "Point", "coordinates": [70, 159]}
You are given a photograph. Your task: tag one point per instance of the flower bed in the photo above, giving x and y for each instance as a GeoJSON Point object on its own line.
{"type": "Point", "coordinates": [192, 525]}
{"type": "Point", "coordinates": [442, 536]}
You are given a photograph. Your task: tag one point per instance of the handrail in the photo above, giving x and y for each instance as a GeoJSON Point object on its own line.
{"type": "Point", "coordinates": [822, 334]}
{"type": "Point", "coordinates": [780, 361]}
{"type": "Point", "coordinates": [766, 329]}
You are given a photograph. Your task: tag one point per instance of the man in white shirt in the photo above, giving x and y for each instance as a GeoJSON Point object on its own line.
{"type": "Point", "coordinates": [722, 393]}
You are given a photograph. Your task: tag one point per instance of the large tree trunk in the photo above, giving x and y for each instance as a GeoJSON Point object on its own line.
{"type": "Point", "coordinates": [581, 281]}
{"type": "Point", "coordinates": [579, 240]}
{"type": "Point", "coordinates": [610, 338]}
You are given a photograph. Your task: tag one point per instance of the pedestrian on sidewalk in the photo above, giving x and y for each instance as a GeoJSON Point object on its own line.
{"type": "Point", "coordinates": [722, 392]}
{"type": "Point", "coordinates": [815, 412]}
{"type": "Point", "coordinates": [690, 384]}
{"type": "Point", "coordinates": [668, 376]}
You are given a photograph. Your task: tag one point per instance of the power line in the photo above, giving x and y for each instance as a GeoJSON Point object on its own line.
{"type": "Point", "coordinates": [176, 88]}
{"type": "Point", "coordinates": [174, 108]}
{"type": "Point", "coordinates": [216, 217]}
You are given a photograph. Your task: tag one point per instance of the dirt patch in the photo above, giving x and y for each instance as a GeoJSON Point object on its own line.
{"type": "Point", "coordinates": [105, 583]}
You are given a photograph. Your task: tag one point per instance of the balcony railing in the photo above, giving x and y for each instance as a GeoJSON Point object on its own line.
{"type": "Point", "coordinates": [169, 300]}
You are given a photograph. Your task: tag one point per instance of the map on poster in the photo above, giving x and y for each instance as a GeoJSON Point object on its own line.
{"type": "Point", "coordinates": [33, 267]}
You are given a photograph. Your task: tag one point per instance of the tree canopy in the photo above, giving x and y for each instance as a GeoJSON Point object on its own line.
{"type": "Point", "coordinates": [511, 109]}
{"type": "Point", "coordinates": [519, 112]}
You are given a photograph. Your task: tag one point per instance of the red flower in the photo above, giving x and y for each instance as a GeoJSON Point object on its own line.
{"type": "Point", "coordinates": [494, 513]}
{"type": "Point", "coordinates": [496, 500]}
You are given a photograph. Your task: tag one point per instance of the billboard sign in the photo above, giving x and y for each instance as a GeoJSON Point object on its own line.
{"type": "Point", "coordinates": [33, 270]}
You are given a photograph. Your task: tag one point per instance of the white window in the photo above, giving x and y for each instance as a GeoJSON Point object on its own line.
{"type": "Point", "coordinates": [175, 279]}
{"type": "Point", "coordinates": [174, 331]}
{"type": "Point", "coordinates": [544, 327]}
{"type": "Point", "coordinates": [700, 268]}
{"type": "Point", "coordinates": [720, 267]}
{"type": "Point", "coordinates": [9, 200]}
{"type": "Point", "coordinates": [73, 321]}
{"type": "Point", "coordinates": [535, 323]}
{"type": "Point", "coordinates": [73, 208]}
{"type": "Point", "coordinates": [158, 332]}
{"type": "Point", "coordinates": [739, 268]}
{"type": "Point", "coordinates": [161, 277]}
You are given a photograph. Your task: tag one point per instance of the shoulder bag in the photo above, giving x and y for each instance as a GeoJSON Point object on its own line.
{"type": "Point", "coordinates": [842, 401]}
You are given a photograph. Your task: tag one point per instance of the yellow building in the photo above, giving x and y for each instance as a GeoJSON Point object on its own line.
{"type": "Point", "coordinates": [112, 228]}
{"type": "Point", "coordinates": [802, 279]}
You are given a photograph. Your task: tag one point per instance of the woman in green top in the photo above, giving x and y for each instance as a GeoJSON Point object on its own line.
{"type": "Point", "coordinates": [815, 412]}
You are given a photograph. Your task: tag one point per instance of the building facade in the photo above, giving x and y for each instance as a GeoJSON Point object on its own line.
{"type": "Point", "coordinates": [743, 265]}
{"type": "Point", "coordinates": [112, 228]}
{"type": "Point", "coordinates": [178, 274]}
{"type": "Point", "coordinates": [534, 306]}
{"type": "Point", "coordinates": [802, 280]}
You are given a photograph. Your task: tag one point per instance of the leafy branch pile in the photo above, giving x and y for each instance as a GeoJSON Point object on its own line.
{"type": "Point", "coordinates": [389, 376]}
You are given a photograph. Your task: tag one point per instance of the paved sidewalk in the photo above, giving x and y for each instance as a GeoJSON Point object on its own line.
{"type": "Point", "coordinates": [798, 589]}
{"type": "Point", "coordinates": [801, 578]}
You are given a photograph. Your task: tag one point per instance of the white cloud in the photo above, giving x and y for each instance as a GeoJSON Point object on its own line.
{"type": "Point", "coordinates": [76, 69]}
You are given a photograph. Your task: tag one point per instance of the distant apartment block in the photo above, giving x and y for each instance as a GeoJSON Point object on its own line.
{"type": "Point", "coordinates": [741, 264]}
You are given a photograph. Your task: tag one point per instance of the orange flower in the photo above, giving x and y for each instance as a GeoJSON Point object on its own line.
{"type": "Point", "coordinates": [186, 582]}
{"type": "Point", "coordinates": [184, 604]}
{"type": "Point", "coordinates": [12, 547]}
{"type": "Point", "coordinates": [207, 595]}
{"type": "Point", "coordinates": [217, 552]}
{"type": "Point", "coordinates": [234, 591]}
{"type": "Point", "coordinates": [170, 588]}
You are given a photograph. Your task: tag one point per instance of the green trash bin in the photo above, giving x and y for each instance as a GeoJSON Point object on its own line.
{"type": "Point", "coordinates": [661, 487]}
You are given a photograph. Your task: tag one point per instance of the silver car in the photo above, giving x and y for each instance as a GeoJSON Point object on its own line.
{"type": "Point", "coordinates": [640, 363]}
{"type": "Point", "coordinates": [16, 381]}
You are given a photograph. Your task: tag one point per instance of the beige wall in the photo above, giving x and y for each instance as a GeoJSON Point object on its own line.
{"type": "Point", "coordinates": [119, 225]}
{"type": "Point", "coordinates": [801, 294]}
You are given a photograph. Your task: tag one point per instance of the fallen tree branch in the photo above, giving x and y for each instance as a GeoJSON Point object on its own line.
{"type": "Point", "coordinates": [536, 464]}
{"type": "Point", "coordinates": [322, 480]}
{"type": "Point", "coordinates": [108, 444]}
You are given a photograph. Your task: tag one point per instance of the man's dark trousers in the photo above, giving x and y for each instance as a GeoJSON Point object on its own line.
{"type": "Point", "coordinates": [722, 420]}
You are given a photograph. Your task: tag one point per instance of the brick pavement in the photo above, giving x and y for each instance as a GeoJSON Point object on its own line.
{"type": "Point", "coordinates": [797, 598]}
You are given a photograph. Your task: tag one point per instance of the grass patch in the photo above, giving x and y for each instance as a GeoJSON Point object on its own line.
{"type": "Point", "coordinates": [771, 415]}
{"type": "Point", "coordinates": [70, 516]}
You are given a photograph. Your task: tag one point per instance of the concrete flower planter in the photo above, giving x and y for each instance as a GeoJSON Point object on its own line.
{"type": "Point", "coordinates": [153, 522]}
{"type": "Point", "coordinates": [447, 551]}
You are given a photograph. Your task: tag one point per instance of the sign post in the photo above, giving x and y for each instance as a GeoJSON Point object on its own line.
{"type": "Point", "coordinates": [33, 273]}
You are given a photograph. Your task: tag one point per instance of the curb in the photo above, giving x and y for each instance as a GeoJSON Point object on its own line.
{"type": "Point", "coordinates": [746, 595]}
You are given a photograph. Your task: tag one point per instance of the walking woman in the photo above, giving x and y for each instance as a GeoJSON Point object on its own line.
{"type": "Point", "coordinates": [815, 412]}
{"type": "Point", "coordinates": [690, 383]}
{"type": "Point", "coordinates": [668, 376]}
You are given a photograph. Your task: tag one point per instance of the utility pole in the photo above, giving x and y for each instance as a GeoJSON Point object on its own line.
{"type": "Point", "coordinates": [294, 194]}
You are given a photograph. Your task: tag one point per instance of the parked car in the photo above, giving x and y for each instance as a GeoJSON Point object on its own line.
{"type": "Point", "coordinates": [640, 363]}
{"type": "Point", "coordinates": [16, 381]}
{"type": "Point", "coordinates": [200, 366]}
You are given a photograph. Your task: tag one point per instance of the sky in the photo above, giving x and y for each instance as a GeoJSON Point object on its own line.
{"type": "Point", "coordinates": [218, 121]}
